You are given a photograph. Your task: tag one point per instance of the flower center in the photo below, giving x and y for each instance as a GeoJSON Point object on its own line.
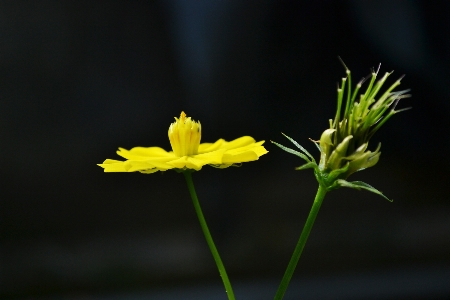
{"type": "Point", "coordinates": [185, 135]}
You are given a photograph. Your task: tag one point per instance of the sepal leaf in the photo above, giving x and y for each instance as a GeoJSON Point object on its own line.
{"type": "Point", "coordinates": [310, 165]}
{"type": "Point", "coordinates": [292, 151]}
{"type": "Point", "coordinates": [358, 185]}
{"type": "Point", "coordinates": [328, 179]}
{"type": "Point", "coordinates": [333, 175]}
{"type": "Point", "coordinates": [300, 147]}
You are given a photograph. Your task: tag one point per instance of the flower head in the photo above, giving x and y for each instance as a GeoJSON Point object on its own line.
{"type": "Point", "coordinates": [344, 145]}
{"type": "Point", "coordinates": [187, 152]}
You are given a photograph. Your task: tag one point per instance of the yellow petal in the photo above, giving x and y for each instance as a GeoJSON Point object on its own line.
{"type": "Point", "coordinates": [161, 163]}
{"type": "Point", "coordinates": [239, 142]}
{"type": "Point", "coordinates": [259, 150]}
{"type": "Point", "coordinates": [134, 166]}
{"type": "Point", "coordinates": [110, 161]}
{"type": "Point", "coordinates": [250, 147]}
{"type": "Point", "coordinates": [111, 165]}
{"type": "Point", "coordinates": [242, 149]}
{"type": "Point", "coordinates": [179, 163]}
{"type": "Point", "coordinates": [143, 153]}
{"type": "Point", "coordinates": [244, 154]}
{"type": "Point", "coordinates": [196, 162]}
{"type": "Point", "coordinates": [209, 147]}
{"type": "Point", "coordinates": [222, 144]}
{"type": "Point", "coordinates": [238, 158]}
{"type": "Point", "coordinates": [214, 157]}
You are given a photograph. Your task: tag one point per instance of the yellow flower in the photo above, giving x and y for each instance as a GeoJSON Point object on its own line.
{"type": "Point", "coordinates": [187, 152]}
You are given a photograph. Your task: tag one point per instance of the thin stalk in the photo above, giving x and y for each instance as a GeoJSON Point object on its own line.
{"type": "Point", "coordinates": [321, 192]}
{"type": "Point", "coordinates": [209, 240]}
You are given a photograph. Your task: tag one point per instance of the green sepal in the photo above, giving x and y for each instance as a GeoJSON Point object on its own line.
{"type": "Point", "coordinates": [292, 151]}
{"type": "Point", "coordinates": [310, 165]}
{"type": "Point", "coordinates": [334, 160]}
{"type": "Point", "coordinates": [326, 143]}
{"type": "Point", "coordinates": [358, 185]}
{"type": "Point", "coordinates": [336, 173]}
{"type": "Point", "coordinates": [300, 147]}
{"type": "Point", "coordinates": [328, 179]}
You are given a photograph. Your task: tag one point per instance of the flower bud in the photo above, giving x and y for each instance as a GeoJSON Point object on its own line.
{"type": "Point", "coordinates": [344, 145]}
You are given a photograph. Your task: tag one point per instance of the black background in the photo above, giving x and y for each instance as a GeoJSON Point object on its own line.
{"type": "Point", "coordinates": [78, 79]}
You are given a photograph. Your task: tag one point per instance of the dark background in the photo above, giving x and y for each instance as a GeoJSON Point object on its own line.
{"type": "Point", "coordinates": [78, 79]}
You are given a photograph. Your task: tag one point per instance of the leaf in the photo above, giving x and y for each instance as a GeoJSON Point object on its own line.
{"type": "Point", "coordinates": [310, 165]}
{"type": "Point", "coordinates": [358, 185]}
{"type": "Point", "coordinates": [300, 147]}
{"type": "Point", "coordinates": [292, 151]}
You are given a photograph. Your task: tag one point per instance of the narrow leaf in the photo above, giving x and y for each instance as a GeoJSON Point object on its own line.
{"type": "Point", "coordinates": [300, 147]}
{"type": "Point", "coordinates": [292, 151]}
{"type": "Point", "coordinates": [310, 165]}
{"type": "Point", "coordinates": [358, 185]}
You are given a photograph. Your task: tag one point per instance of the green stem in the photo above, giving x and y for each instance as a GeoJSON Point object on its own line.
{"type": "Point", "coordinates": [321, 192]}
{"type": "Point", "coordinates": [209, 240]}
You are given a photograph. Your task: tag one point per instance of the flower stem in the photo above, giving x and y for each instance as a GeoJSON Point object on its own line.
{"type": "Point", "coordinates": [321, 192]}
{"type": "Point", "coordinates": [209, 240]}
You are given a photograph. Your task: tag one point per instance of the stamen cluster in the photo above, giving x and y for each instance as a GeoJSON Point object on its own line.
{"type": "Point", "coordinates": [185, 135]}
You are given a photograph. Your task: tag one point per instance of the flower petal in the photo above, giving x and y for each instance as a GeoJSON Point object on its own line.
{"type": "Point", "coordinates": [134, 166]}
{"type": "Point", "coordinates": [187, 162]}
{"type": "Point", "coordinates": [213, 157]}
{"type": "Point", "coordinates": [111, 165]}
{"type": "Point", "coordinates": [196, 162]}
{"type": "Point", "coordinates": [244, 154]}
{"type": "Point", "coordinates": [143, 153]}
{"type": "Point", "coordinates": [258, 148]}
{"type": "Point", "coordinates": [238, 158]}
{"type": "Point", "coordinates": [239, 142]}
{"type": "Point", "coordinates": [209, 147]}
{"type": "Point", "coordinates": [222, 144]}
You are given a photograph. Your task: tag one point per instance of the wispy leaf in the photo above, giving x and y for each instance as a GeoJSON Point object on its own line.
{"type": "Point", "coordinates": [358, 185]}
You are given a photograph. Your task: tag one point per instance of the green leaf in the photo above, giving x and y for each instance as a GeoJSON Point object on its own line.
{"type": "Point", "coordinates": [310, 165]}
{"type": "Point", "coordinates": [300, 147]}
{"type": "Point", "coordinates": [292, 151]}
{"type": "Point", "coordinates": [358, 185]}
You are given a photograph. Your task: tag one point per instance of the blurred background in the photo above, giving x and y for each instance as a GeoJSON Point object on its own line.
{"type": "Point", "coordinates": [78, 79]}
